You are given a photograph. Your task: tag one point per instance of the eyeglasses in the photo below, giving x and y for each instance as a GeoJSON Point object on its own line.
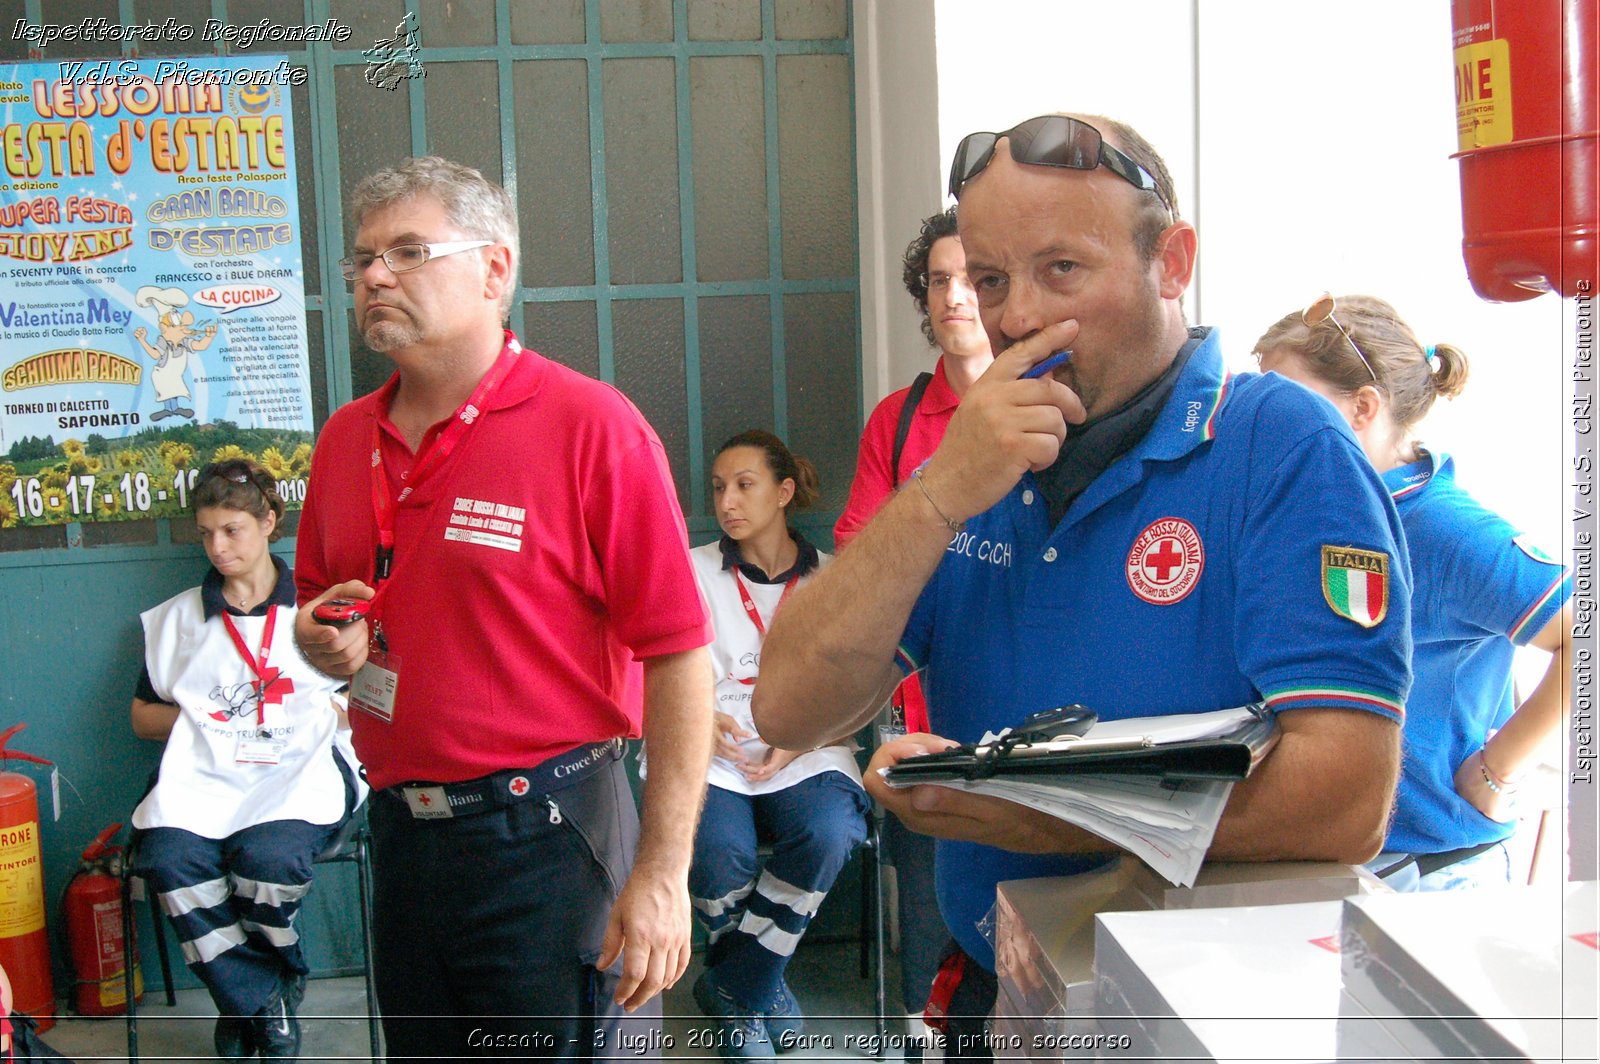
{"type": "Point", "coordinates": [403, 258]}
{"type": "Point", "coordinates": [1049, 140]}
{"type": "Point", "coordinates": [1321, 310]}
{"type": "Point", "coordinates": [938, 282]}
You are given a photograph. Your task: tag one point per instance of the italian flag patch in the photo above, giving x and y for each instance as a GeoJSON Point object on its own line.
{"type": "Point", "coordinates": [1356, 583]}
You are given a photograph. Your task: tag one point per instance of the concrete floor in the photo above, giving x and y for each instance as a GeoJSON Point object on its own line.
{"type": "Point", "coordinates": [825, 977]}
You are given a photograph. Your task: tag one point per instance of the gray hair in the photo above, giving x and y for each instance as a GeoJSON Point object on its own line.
{"type": "Point", "coordinates": [477, 206]}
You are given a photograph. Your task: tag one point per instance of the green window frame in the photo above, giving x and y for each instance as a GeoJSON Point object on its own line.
{"type": "Point", "coordinates": [811, 316]}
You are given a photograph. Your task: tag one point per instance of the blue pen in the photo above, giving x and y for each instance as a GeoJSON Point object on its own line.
{"type": "Point", "coordinates": [1060, 358]}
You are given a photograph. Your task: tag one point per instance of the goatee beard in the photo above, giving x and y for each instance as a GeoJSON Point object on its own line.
{"type": "Point", "coordinates": [390, 335]}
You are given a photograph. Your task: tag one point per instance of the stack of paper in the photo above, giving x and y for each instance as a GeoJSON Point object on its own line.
{"type": "Point", "coordinates": [1169, 827]}
{"type": "Point", "coordinates": [1168, 823]}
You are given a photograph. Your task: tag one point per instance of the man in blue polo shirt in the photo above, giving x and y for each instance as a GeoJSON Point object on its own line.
{"type": "Point", "coordinates": [1138, 532]}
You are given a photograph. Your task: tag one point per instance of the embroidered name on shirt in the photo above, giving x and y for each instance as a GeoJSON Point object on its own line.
{"type": "Point", "coordinates": [1191, 418]}
{"type": "Point", "coordinates": [985, 550]}
{"type": "Point", "coordinates": [488, 524]}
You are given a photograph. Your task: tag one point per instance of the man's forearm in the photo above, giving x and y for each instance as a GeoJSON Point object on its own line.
{"type": "Point", "coordinates": [677, 732]}
{"type": "Point", "coordinates": [829, 660]}
{"type": "Point", "coordinates": [1323, 794]}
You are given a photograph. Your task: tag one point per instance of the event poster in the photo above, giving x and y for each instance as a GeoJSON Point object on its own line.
{"type": "Point", "coordinates": [152, 309]}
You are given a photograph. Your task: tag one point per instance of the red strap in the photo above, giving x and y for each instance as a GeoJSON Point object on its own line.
{"type": "Point", "coordinates": [749, 603]}
{"type": "Point", "coordinates": [429, 460]}
{"type": "Point", "coordinates": [951, 972]}
{"type": "Point", "coordinates": [265, 677]}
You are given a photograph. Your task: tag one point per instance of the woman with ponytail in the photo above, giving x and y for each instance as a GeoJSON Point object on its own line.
{"type": "Point", "coordinates": [1479, 590]}
{"type": "Point", "coordinates": [809, 806]}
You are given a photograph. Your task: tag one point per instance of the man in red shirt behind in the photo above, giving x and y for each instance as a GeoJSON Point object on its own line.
{"type": "Point", "coordinates": [935, 273]}
{"type": "Point", "coordinates": [513, 528]}
{"type": "Point", "coordinates": [901, 434]}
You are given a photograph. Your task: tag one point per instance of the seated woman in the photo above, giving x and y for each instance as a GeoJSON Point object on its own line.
{"type": "Point", "coordinates": [1478, 590]}
{"type": "Point", "coordinates": [257, 775]}
{"type": "Point", "coordinates": [810, 806]}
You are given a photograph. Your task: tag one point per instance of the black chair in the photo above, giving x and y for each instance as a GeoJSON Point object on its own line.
{"type": "Point", "coordinates": [349, 846]}
{"type": "Point", "coordinates": [872, 903]}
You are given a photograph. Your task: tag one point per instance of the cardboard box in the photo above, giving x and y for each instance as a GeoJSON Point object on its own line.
{"type": "Point", "coordinates": [1044, 934]}
{"type": "Point", "coordinates": [1580, 971]}
{"type": "Point", "coordinates": [1249, 983]}
{"type": "Point", "coordinates": [1359, 1035]}
{"type": "Point", "coordinates": [1476, 973]}
{"type": "Point", "coordinates": [1227, 884]}
{"type": "Point", "coordinates": [1045, 930]}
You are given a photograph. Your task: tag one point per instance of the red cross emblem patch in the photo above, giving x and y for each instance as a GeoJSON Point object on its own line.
{"type": "Point", "coordinates": [272, 686]}
{"type": "Point", "coordinates": [1166, 561]}
{"type": "Point", "coordinates": [518, 785]}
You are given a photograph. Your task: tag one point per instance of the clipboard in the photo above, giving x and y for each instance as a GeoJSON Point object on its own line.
{"type": "Point", "coordinates": [1026, 755]}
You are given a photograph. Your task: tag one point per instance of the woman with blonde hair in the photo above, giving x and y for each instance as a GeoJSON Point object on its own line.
{"type": "Point", "coordinates": [1480, 590]}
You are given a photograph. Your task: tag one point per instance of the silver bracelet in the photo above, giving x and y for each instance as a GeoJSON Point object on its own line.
{"type": "Point", "coordinates": [953, 526]}
{"type": "Point", "coordinates": [1489, 780]}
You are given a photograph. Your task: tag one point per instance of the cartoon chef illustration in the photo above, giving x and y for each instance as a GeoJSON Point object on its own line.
{"type": "Point", "coordinates": [179, 339]}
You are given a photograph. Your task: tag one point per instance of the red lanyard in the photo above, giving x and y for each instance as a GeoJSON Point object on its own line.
{"type": "Point", "coordinates": [749, 603]}
{"type": "Point", "coordinates": [266, 678]}
{"type": "Point", "coordinates": [432, 457]}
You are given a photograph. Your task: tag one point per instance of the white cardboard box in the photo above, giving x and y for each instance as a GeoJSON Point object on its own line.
{"type": "Point", "coordinates": [1477, 973]}
{"type": "Point", "coordinates": [1045, 932]}
{"type": "Point", "coordinates": [1248, 983]}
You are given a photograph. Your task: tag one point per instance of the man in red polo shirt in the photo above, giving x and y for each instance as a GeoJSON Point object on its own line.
{"type": "Point", "coordinates": [513, 530]}
{"type": "Point", "coordinates": [903, 431]}
{"type": "Point", "coordinates": [896, 440]}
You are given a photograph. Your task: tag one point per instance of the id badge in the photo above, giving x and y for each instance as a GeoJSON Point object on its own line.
{"type": "Point", "coordinates": [372, 689]}
{"type": "Point", "coordinates": [254, 749]}
{"type": "Point", "coordinates": [888, 733]}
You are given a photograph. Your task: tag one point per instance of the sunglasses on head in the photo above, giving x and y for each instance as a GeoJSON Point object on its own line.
{"type": "Point", "coordinates": [230, 469]}
{"type": "Point", "coordinates": [1049, 140]}
{"type": "Point", "coordinates": [1321, 310]}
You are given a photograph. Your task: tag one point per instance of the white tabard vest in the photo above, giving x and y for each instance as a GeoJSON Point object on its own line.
{"type": "Point", "coordinates": [736, 659]}
{"type": "Point", "coordinates": [203, 788]}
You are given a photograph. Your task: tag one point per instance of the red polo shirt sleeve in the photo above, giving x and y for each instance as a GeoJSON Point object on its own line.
{"type": "Point", "coordinates": [650, 589]}
{"type": "Point", "coordinates": [874, 480]}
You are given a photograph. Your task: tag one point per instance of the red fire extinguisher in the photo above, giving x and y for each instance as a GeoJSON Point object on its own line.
{"type": "Point", "coordinates": [94, 929]}
{"type": "Point", "coordinates": [1527, 112]}
{"type": "Point", "coordinates": [24, 945]}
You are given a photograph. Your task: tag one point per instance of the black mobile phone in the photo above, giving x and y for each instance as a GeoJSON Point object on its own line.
{"type": "Point", "coordinates": [340, 611]}
{"type": "Point", "coordinates": [1053, 724]}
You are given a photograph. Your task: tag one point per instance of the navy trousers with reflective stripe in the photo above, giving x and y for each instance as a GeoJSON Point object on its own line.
{"type": "Point", "coordinates": [755, 916]}
{"type": "Point", "coordinates": [487, 927]}
{"type": "Point", "coordinates": [233, 902]}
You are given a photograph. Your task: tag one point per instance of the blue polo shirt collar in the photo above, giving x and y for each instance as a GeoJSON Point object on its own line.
{"type": "Point", "coordinates": [1188, 420]}
{"type": "Point", "coordinates": [1412, 479]}
{"type": "Point", "coordinates": [805, 562]}
{"type": "Point", "coordinates": [212, 603]}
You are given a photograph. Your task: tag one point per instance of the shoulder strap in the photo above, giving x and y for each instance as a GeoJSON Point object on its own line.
{"type": "Point", "coordinates": [902, 430]}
